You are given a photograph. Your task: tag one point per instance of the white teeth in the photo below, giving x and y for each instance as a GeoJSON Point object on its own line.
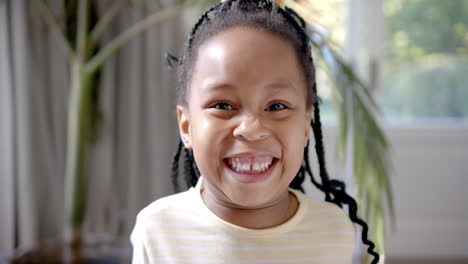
{"type": "Point", "coordinates": [256, 166]}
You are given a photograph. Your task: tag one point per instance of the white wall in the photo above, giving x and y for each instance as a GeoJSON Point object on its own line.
{"type": "Point", "coordinates": [430, 184]}
{"type": "Point", "coordinates": [430, 187]}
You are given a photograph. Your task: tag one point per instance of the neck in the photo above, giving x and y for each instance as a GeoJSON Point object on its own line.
{"type": "Point", "coordinates": [271, 215]}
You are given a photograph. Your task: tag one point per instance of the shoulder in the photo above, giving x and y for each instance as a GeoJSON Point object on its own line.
{"type": "Point", "coordinates": [326, 214]}
{"type": "Point", "coordinates": [179, 202]}
{"type": "Point", "coordinates": [168, 211]}
{"type": "Point", "coordinates": [164, 212]}
{"type": "Point", "coordinates": [165, 216]}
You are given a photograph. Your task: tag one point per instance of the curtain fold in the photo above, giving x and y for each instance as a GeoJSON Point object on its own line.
{"type": "Point", "coordinates": [7, 132]}
{"type": "Point", "coordinates": [129, 165]}
{"type": "Point", "coordinates": [20, 125]}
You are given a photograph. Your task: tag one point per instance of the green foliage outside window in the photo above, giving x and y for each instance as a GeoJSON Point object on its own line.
{"type": "Point", "coordinates": [426, 68]}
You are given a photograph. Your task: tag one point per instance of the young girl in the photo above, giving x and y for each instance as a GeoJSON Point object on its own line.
{"type": "Point", "coordinates": [246, 97]}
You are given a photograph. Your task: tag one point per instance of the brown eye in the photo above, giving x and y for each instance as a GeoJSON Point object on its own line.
{"type": "Point", "coordinates": [277, 107]}
{"type": "Point", "coordinates": [222, 106]}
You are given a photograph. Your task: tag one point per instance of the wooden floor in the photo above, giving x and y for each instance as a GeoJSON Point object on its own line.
{"type": "Point", "coordinates": [389, 261]}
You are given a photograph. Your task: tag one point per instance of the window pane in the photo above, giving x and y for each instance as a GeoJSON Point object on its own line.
{"type": "Point", "coordinates": [330, 15]}
{"type": "Point", "coordinates": [426, 68]}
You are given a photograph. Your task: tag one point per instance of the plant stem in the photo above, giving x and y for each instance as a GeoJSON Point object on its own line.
{"type": "Point", "coordinates": [82, 29]}
{"type": "Point", "coordinates": [56, 29]}
{"type": "Point", "coordinates": [125, 36]}
{"type": "Point", "coordinates": [75, 171]}
{"type": "Point", "coordinates": [106, 19]}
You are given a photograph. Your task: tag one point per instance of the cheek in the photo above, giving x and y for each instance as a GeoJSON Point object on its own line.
{"type": "Point", "coordinates": [295, 152]}
{"type": "Point", "coordinates": [206, 127]}
{"type": "Point", "coordinates": [293, 144]}
{"type": "Point", "coordinates": [293, 130]}
{"type": "Point", "coordinates": [210, 131]}
{"type": "Point", "coordinates": [208, 136]}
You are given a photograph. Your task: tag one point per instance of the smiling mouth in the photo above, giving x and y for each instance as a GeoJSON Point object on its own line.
{"type": "Point", "coordinates": [250, 165]}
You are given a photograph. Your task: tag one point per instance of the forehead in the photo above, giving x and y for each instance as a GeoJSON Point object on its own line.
{"type": "Point", "coordinates": [246, 55]}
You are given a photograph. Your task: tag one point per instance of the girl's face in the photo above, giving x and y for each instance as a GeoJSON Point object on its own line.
{"type": "Point", "coordinates": [246, 109]}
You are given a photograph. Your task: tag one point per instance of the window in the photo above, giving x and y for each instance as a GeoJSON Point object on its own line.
{"type": "Point", "coordinates": [425, 71]}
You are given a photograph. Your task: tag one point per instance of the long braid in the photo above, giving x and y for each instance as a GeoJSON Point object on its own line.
{"type": "Point", "coordinates": [309, 170]}
{"type": "Point", "coordinates": [296, 183]}
{"type": "Point", "coordinates": [317, 128]}
{"type": "Point", "coordinates": [340, 197]}
{"type": "Point", "coordinates": [191, 177]}
{"type": "Point", "coordinates": [175, 167]}
{"type": "Point", "coordinates": [337, 188]}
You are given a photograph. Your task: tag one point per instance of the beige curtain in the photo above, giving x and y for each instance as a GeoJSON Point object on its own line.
{"type": "Point", "coordinates": [6, 133]}
{"type": "Point", "coordinates": [17, 164]}
{"type": "Point", "coordinates": [129, 166]}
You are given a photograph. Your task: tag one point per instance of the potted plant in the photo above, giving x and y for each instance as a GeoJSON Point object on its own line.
{"type": "Point", "coordinates": [80, 35]}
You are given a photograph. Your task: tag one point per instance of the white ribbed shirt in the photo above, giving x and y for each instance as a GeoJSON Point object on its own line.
{"type": "Point", "coordinates": [181, 229]}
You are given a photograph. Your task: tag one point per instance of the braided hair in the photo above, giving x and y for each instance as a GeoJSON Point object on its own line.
{"type": "Point", "coordinates": [268, 16]}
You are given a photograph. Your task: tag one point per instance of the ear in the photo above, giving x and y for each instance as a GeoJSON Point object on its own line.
{"type": "Point", "coordinates": [309, 113]}
{"type": "Point", "coordinates": [184, 126]}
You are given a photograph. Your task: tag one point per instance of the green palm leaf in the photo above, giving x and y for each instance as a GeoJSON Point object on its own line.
{"type": "Point", "coordinates": [357, 107]}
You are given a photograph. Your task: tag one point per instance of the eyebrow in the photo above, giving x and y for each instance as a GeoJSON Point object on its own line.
{"type": "Point", "coordinates": [224, 86]}
{"type": "Point", "coordinates": [217, 86]}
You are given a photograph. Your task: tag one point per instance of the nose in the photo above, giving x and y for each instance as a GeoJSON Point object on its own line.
{"type": "Point", "coordinates": [251, 129]}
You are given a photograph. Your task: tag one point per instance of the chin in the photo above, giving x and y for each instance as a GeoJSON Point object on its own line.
{"type": "Point", "coordinates": [250, 199]}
